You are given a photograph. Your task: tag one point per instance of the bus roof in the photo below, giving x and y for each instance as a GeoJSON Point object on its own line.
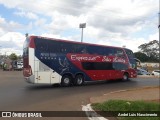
{"type": "Point", "coordinates": [69, 41]}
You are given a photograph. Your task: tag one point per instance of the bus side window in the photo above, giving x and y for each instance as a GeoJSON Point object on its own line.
{"type": "Point", "coordinates": [81, 49]}
{"type": "Point", "coordinates": [62, 48]}
{"type": "Point", "coordinates": [70, 48]}
{"type": "Point", "coordinates": [95, 50]}
{"type": "Point", "coordinates": [66, 48]}
{"type": "Point", "coordinates": [99, 50]}
{"type": "Point", "coordinates": [53, 46]}
{"type": "Point", "coordinates": [97, 66]}
{"type": "Point", "coordinates": [42, 46]}
{"type": "Point", "coordinates": [90, 49]}
{"type": "Point", "coordinates": [108, 51]}
{"type": "Point", "coordinates": [119, 53]}
{"type": "Point", "coordinates": [119, 66]}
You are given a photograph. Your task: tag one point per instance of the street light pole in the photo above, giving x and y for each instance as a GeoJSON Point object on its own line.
{"type": "Point", "coordinates": [159, 37]}
{"type": "Point", "coordinates": [82, 25]}
{"type": "Point", "coordinates": [82, 35]}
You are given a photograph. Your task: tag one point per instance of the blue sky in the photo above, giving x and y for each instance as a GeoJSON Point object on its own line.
{"type": "Point", "coordinates": [115, 23]}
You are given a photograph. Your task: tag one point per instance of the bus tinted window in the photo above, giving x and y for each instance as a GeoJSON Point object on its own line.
{"type": "Point", "coordinates": [80, 49]}
{"type": "Point", "coordinates": [129, 53]}
{"type": "Point", "coordinates": [95, 50]}
{"type": "Point", "coordinates": [41, 44]}
{"type": "Point", "coordinates": [60, 47]}
{"type": "Point", "coordinates": [104, 66]}
{"type": "Point", "coordinates": [54, 46]}
{"type": "Point", "coordinates": [100, 50]}
{"type": "Point", "coordinates": [97, 66]}
{"type": "Point", "coordinates": [119, 66]}
{"type": "Point", "coordinates": [91, 49]}
{"type": "Point", "coordinates": [131, 58]}
{"type": "Point", "coordinates": [108, 51]}
{"type": "Point", "coordinates": [66, 47]}
{"type": "Point", "coordinates": [119, 52]}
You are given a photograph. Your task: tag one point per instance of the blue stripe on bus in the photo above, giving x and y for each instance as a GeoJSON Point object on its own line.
{"type": "Point", "coordinates": [59, 63]}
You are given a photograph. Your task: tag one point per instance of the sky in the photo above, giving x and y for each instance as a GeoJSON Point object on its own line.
{"type": "Point", "coordinates": [119, 23]}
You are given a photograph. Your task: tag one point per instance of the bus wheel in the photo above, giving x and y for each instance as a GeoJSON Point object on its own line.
{"type": "Point", "coordinates": [125, 77]}
{"type": "Point", "coordinates": [66, 80]}
{"type": "Point", "coordinates": [79, 80]}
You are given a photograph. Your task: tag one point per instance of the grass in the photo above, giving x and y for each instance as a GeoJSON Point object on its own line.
{"type": "Point", "coordinates": [128, 106]}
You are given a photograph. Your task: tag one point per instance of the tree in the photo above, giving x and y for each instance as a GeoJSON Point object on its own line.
{"type": "Point", "coordinates": [141, 56]}
{"type": "Point", "coordinates": [151, 49]}
{"type": "Point", "coordinates": [13, 56]}
{"type": "Point", "coordinates": [19, 57]}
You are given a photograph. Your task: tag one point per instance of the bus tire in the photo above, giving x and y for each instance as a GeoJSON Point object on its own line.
{"type": "Point", "coordinates": [66, 80]}
{"type": "Point", "coordinates": [125, 77]}
{"type": "Point", "coordinates": [79, 80]}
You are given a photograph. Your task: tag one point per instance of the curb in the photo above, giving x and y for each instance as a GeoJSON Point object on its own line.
{"type": "Point", "coordinates": [145, 87]}
{"type": "Point", "coordinates": [147, 76]}
{"type": "Point", "coordinates": [91, 99]}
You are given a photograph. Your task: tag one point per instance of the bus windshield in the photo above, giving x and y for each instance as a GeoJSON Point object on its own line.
{"type": "Point", "coordinates": [131, 58]}
{"type": "Point", "coordinates": [25, 47]}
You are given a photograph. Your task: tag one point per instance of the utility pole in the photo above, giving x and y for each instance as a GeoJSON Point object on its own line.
{"type": "Point", "coordinates": [159, 39]}
{"type": "Point", "coordinates": [159, 32]}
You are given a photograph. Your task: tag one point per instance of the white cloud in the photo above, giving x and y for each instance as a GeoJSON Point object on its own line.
{"type": "Point", "coordinates": [12, 42]}
{"type": "Point", "coordinates": [127, 42]}
{"type": "Point", "coordinates": [154, 36]}
{"type": "Point", "coordinates": [112, 22]}
{"type": "Point", "coordinates": [29, 15]}
{"type": "Point", "coordinates": [8, 26]}
{"type": "Point", "coordinates": [51, 35]}
{"type": "Point", "coordinates": [122, 16]}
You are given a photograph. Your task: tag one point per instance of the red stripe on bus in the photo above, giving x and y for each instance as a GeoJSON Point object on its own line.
{"type": "Point", "coordinates": [31, 43]}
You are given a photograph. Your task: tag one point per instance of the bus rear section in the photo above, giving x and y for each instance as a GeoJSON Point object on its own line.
{"type": "Point", "coordinates": [34, 70]}
{"type": "Point", "coordinates": [27, 70]}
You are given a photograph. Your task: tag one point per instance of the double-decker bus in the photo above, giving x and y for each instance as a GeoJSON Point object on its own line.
{"type": "Point", "coordinates": [49, 60]}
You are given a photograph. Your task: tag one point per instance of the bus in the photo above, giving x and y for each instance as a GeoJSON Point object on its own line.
{"type": "Point", "coordinates": [52, 61]}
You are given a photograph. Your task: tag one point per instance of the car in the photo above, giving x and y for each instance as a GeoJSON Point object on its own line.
{"type": "Point", "coordinates": [156, 72]}
{"type": "Point", "coordinates": [18, 65]}
{"type": "Point", "coordinates": [142, 72]}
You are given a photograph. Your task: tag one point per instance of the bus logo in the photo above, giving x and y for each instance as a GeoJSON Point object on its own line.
{"type": "Point", "coordinates": [6, 114]}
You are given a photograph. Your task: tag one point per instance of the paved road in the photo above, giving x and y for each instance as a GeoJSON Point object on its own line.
{"type": "Point", "coordinates": [17, 95]}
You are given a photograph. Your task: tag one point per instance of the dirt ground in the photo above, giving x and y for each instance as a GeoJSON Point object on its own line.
{"type": "Point", "coordinates": [145, 93]}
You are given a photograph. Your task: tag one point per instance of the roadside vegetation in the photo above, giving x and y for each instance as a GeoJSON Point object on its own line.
{"type": "Point", "coordinates": [123, 106]}
{"type": "Point", "coordinates": [149, 52]}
